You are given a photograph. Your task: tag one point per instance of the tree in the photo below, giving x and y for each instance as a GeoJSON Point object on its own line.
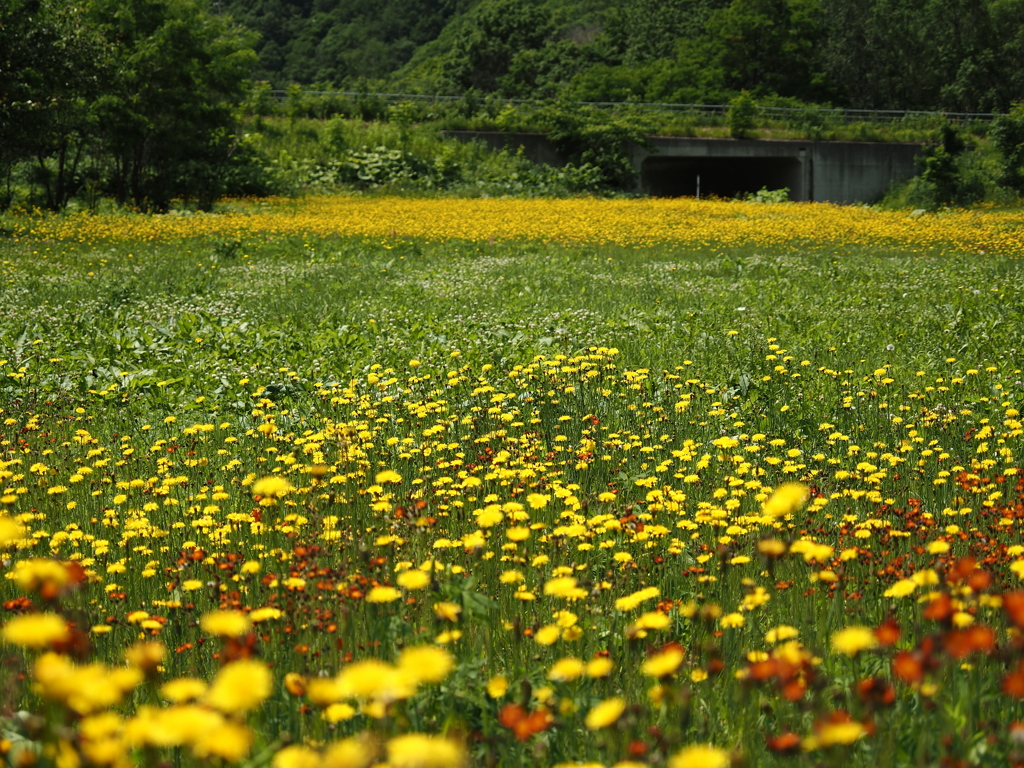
{"type": "Point", "coordinates": [167, 120]}
{"type": "Point", "coordinates": [494, 34]}
{"type": "Point", "coordinates": [922, 54]}
{"type": "Point", "coordinates": [769, 46]}
{"type": "Point", "coordinates": [1007, 134]}
{"type": "Point", "coordinates": [51, 64]}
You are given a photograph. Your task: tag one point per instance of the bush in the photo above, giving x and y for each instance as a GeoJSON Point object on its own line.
{"type": "Point", "coordinates": [597, 139]}
{"type": "Point", "coordinates": [1007, 134]}
{"type": "Point", "coordinates": [950, 175]}
{"type": "Point", "coordinates": [742, 116]}
{"type": "Point", "coordinates": [765, 195]}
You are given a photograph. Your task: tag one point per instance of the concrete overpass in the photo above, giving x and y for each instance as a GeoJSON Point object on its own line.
{"type": "Point", "coordinates": [832, 171]}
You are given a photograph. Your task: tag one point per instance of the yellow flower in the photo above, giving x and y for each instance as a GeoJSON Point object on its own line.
{"type": "Point", "coordinates": [85, 689]}
{"type": "Point", "coordinates": [230, 742]}
{"type": "Point", "coordinates": [349, 753]}
{"type": "Point", "coordinates": [830, 734]}
{"type": "Point", "coordinates": [663, 663]}
{"type": "Point", "coordinates": [497, 686]}
{"type": "Point", "coordinates": [146, 656]}
{"type": "Point", "coordinates": [183, 689]}
{"type": "Point", "coordinates": [100, 739]}
{"type": "Point", "coordinates": [566, 670]}
{"type": "Point", "coordinates": [700, 756]}
{"type": "Point", "coordinates": [599, 667]}
{"type": "Point", "coordinates": [416, 750]}
{"type": "Point", "coordinates": [337, 713]}
{"type": "Point", "coordinates": [731, 621]}
{"type": "Point", "coordinates": [518, 533]}
{"type": "Point", "coordinates": [812, 551]}
{"type": "Point", "coordinates": [447, 637]}
{"type": "Point", "coordinates": [35, 630]}
{"type": "Point", "coordinates": [264, 614]}
{"type": "Point", "coordinates": [548, 634]}
{"type": "Point", "coordinates": [962, 619]}
{"type": "Point", "coordinates": [787, 499]}
{"type": "Point", "coordinates": [273, 486]}
{"type": "Point", "coordinates": [489, 516]}
{"type": "Point", "coordinates": [447, 611]}
{"type": "Point", "coordinates": [652, 620]}
{"type": "Point", "coordinates": [374, 679]}
{"type": "Point", "coordinates": [771, 547]}
{"type": "Point", "coordinates": [629, 602]}
{"type": "Point", "coordinates": [225, 623]}
{"type": "Point", "coordinates": [425, 664]}
{"type": "Point", "coordinates": [11, 531]}
{"type": "Point", "coordinates": [34, 574]}
{"type": "Point", "coordinates": [781, 633]}
{"type": "Point", "coordinates": [296, 756]}
{"type": "Point", "coordinates": [413, 579]}
{"type": "Point", "coordinates": [926, 577]}
{"type": "Point", "coordinates": [388, 476]}
{"type": "Point", "coordinates": [604, 714]}
{"type": "Point", "coordinates": [853, 640]}
{"type": "Point", "coordinates": [321, 691]}
{"type": "Point", "coordinates": [901, 588]}
{"type": "Point", "coordinates": [564, 587]}
{"type": "Point", "coordinates": [382, 595]}
{"type": "Point", "coordinates": [537, 500]}
{"type": "Point", "coordinates": [240, 686]}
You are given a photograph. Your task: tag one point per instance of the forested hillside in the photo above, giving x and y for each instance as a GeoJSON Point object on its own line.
{"type": "Point", "coordinates": [954, 55]}
{"type": "Point", "coordinates": [337, 41]}
{"type": "Point", "coordinates": [154, 103]}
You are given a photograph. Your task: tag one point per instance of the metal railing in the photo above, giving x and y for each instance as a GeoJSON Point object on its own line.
{"type": "Point", "coordinates": [720, 111]}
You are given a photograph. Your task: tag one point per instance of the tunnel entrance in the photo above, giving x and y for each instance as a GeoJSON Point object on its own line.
{"type": "Point", "coordinates": [720, 176]}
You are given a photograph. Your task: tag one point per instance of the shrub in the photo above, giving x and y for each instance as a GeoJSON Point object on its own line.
{"type": "Point", "coordinates": [742, 116]}
{"type": "Point", "coordinates": [1007, 134]}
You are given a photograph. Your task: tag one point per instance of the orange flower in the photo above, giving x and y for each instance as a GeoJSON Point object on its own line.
{"type": "Point", "coordinates": [1013, 602]}
{"type": "Point", "coordinates": [524, 724]}
{"type": "Point", "coordinates": [940, 608]}
{"type": "Point", "coordinates": [963, 642]}
{"type": "Point", "coordinates": [908, 667]}
{"type": "Point", "coordinates": [785, 743]}
{"type": "Point", "coordinates": [888, 632]}
{"type": "Point", "coordinates": [1013, 683]}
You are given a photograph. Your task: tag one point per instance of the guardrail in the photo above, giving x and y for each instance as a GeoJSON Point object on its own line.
{"type": "Point", "coordinates": [805, 114]}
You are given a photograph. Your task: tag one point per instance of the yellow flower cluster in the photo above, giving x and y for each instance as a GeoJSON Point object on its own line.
{"type": "Point", "coordinates": [612, 222]}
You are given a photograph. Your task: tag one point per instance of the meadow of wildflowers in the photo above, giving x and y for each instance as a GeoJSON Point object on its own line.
{"type": "Point", "coordinates": [432, 483]}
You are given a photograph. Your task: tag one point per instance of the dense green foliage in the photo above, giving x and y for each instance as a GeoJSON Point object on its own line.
{"type": "Point", "coordinates": [958, 55]}
{"type": "Point", "coordinates": [147, 102]}
{"type": "Point", "coordinates": [135, 100]}
{"type": "Point", "coordinates": [1008, 136]}
{"type": "Point", "coordinates": [308, 41]}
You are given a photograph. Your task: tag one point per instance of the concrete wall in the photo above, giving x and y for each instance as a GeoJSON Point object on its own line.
{"type": "Point", "coordinates": [834, 171]}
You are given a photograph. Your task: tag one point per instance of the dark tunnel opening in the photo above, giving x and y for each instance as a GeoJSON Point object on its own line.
{"type": "Point", "coordinates": [720, 176]}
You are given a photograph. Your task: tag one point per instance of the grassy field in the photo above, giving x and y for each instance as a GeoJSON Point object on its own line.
{"type": "Point", "coordinates": [433, 483]}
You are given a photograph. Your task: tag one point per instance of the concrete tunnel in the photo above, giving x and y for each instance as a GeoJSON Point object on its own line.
{"type": "Point", "coordinates": [668, 166]}
{"type": "Point", "coordinates": [720, 176]}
